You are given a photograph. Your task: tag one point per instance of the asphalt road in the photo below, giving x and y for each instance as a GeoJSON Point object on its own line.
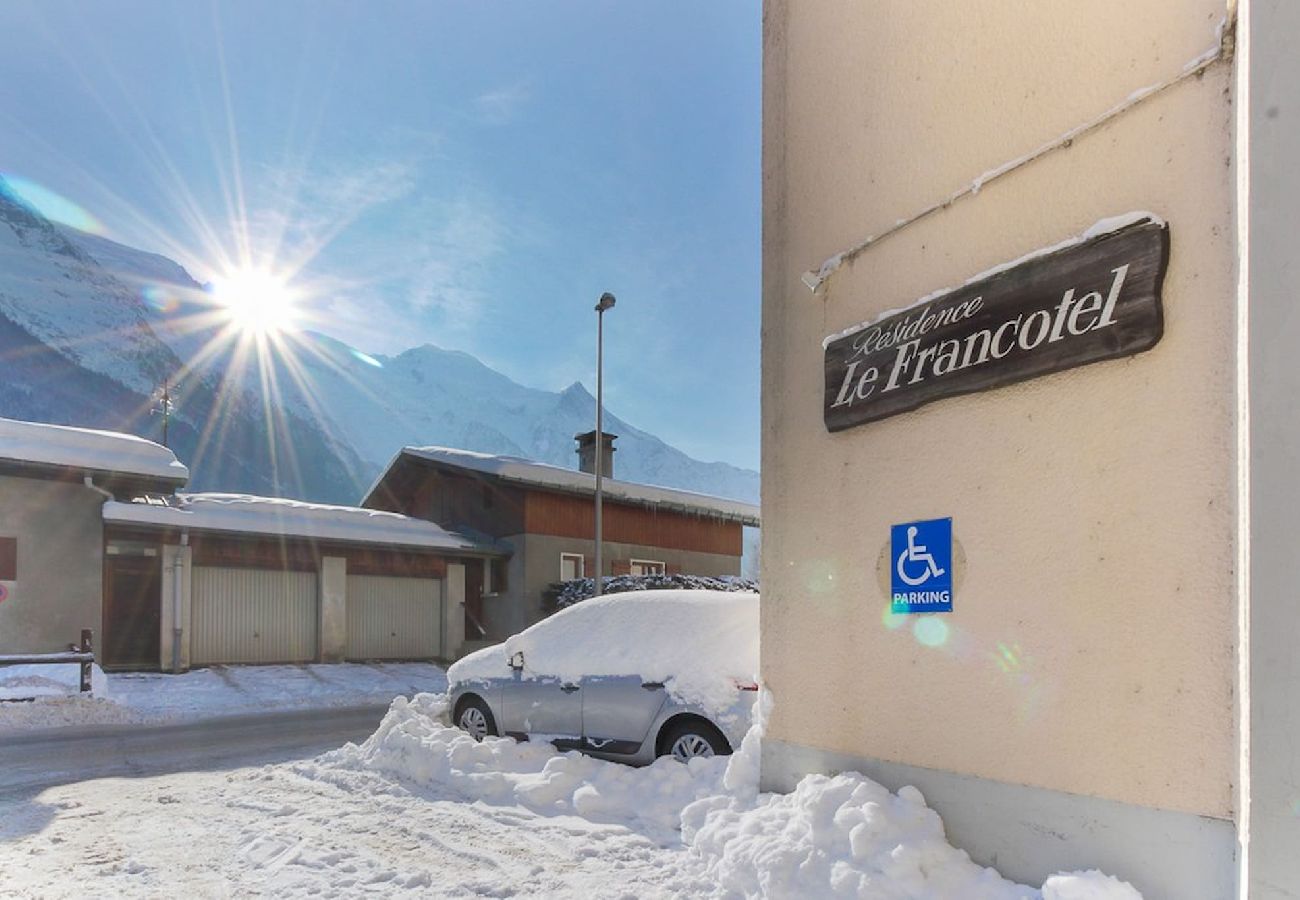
{"type": "Point", "coordinates": [69, 755]}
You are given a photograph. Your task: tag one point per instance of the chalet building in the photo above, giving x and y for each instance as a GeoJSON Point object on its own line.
{"type": "Point", "coordinates": [93, 534]}
{"type": "Point", "coordinates": [53, 484]}
{"type": "Point", "coordinates": [544, 516]}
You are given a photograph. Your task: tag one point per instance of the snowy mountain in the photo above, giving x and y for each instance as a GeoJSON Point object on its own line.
{"type": "Point", "coordinates": [77, 348]}
{"type": "Point", "coordinates": [89, 327]}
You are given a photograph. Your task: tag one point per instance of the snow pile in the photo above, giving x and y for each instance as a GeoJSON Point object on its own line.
{"type": "Point", "coordinates": [848, 836]}
{"type": "Point", "coordinates": [414, 744]}
{"type": "Point", "coordinates": [84, 448]}
{"type": "Point", "coordinates": [49, 680]}
{"type": "Point", "coordinates": [1089, 885]}
{"type": "Point", "coordinates": [567, 593]}
{"type": "Point", "coordinates": [843, 835]}
{"type": "Point", "coordinates": [699, 643]}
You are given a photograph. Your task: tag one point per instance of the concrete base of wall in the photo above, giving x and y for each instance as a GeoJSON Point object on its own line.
{"type": "Point", "coordinates": [1029, 833]}
{"type": "Point", "coordinates": [333, 616]}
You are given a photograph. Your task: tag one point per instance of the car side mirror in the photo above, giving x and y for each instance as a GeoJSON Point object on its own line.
{"type": "Point", "coordinates": [516, 661]}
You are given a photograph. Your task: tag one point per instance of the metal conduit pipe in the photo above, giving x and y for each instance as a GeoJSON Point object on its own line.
{"type": "Point", "coordinates": [89, 482]}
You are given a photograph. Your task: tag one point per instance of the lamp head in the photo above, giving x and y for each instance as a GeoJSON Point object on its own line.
{"type": "Point", "coordinates": [606, 302]}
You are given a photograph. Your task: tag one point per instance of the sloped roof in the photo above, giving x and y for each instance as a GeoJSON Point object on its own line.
{"type": "Point", "coordinates": [528, 472]}
{"type": "Point", "coordinates": [247, 514]}
{"type": "Point", "coordinates": [60, 446]}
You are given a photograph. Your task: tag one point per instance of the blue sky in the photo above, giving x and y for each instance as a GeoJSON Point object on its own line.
{"type": "Point", "coordinates": [472, 175]}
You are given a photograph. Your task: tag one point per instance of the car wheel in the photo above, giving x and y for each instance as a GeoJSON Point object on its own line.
{"type": "Point", "coordinates": [475, 719]}
{"type": "Point", "coordinates": [693, 739]}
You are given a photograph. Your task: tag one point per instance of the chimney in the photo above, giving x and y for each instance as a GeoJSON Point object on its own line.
{"type": "Point", "coordinates": [587, 453]}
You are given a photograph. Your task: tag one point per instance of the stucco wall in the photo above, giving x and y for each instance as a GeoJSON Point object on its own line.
{"type": "Point", "coordinates": [60, 564]}
{"type": "Point", "coordinates": [1091, 649]}
{"type": "Point", "coordinates": [1270, 119]}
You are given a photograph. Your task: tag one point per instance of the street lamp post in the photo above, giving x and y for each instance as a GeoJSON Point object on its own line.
{"type": "Point", "coordinates": [606, 302]}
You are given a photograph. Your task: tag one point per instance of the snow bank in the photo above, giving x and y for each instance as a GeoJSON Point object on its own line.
{"type": "Point", "coordinates": [699, 643]}
{"type": "Point", "coordinates": [58, 680]}
{"type": "Point", "coordinates": [842, 835]}
{"type": "Point", "coordinates": [1090, 885]}
{"type": "Point", "coordinates": [84, 448]}
{"type": "Point", "coordinates": [155, 698]}
{"type": "Point", "coordinates": [244, 513]}
{"type": "Point", "coordinates": [414, 743]}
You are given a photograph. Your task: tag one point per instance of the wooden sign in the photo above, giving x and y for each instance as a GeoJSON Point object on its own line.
{"type": "Point", "coordinates": [1098, 299]}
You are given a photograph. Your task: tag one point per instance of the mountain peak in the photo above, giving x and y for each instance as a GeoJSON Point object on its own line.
{"type": "Point", "coordinates": [576, 391]}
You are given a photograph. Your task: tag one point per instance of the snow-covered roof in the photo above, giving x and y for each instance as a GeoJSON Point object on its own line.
{"type": "Point", "coordinates": [93, 451]}
{"type": "Point", "coordinates": [526, 471]}
{"type": "Point", "coordinates": [246, 514]}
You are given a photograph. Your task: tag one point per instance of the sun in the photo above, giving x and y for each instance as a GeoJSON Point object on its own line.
{"type": "Point", "coordinates": [258, 302]}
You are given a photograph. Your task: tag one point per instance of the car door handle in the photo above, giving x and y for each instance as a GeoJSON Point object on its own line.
{"type": "Point", "coordinates": [568, 688]}
{"type": "Point", "coordinates": [653, 685]}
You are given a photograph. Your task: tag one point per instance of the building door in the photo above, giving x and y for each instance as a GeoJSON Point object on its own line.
{"type": "Point", "coordinates": [244, 615]}
{"type": "Point", "coordinates": [132, 612]}
{"type": "Point", "coordinates": [474, 628]}
{"type": "Point", "coordinates": [394, 618]}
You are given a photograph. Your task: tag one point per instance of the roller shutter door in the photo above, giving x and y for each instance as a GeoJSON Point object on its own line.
{"type": "Point", "coordinates": [253, 616]}
{"type": "Point", "coordinates": [394, 618]}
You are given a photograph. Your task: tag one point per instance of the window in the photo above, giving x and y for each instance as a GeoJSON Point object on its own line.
{"type": "Point", "coordinates": [647, 567]}
{"type": "Point", "coordinates": [497, 575]}
{"type": "Point", "coordinates": [571, 566]}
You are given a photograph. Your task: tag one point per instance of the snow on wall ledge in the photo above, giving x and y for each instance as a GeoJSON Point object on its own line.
{"type": "Point", "coordinates": [1096, 229]}
{"type": "Point", "coordinates": [246, 514]}
{"type": "Point", "coordinates": [85, 448]}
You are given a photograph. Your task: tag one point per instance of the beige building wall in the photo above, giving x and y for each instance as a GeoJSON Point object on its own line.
{"type": "Point", "coordinates": [59, 590]}
{"type": "Point", "coordinates": [1091, 650]}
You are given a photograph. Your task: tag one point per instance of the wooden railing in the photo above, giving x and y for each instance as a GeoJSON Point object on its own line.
{"type": "Point", "coordinates": [84, 654]}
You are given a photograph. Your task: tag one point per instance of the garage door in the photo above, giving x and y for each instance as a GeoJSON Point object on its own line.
{"type": "Point", "coordinates": [253, 616]}
{"type": "Point", "coordinates": [394, 618]}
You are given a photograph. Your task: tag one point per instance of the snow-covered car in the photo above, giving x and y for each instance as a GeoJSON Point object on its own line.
{"type": "Point", "coordinates": [626, 677]}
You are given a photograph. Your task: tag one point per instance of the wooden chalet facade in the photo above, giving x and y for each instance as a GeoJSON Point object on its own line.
{"type": "Point", "coordinates": [544, 518]}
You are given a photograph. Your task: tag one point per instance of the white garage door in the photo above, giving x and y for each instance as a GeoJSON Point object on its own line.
{"type": "Point", "coordinates": [253, 616]}
{"type": "Point", "coordinates": [394, 618]}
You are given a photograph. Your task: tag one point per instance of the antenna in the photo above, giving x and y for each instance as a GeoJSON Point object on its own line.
{"type": "Point", "coordinates": [164, 399]}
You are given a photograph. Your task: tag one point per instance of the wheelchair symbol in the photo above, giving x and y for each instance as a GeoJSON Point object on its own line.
{"type": "Point", "coordinates": [917, 553]}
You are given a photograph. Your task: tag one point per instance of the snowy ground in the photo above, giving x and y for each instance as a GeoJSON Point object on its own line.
{"type": "Point", "coordinates": [420, 809]}
{"type": "Point", "coordinates": [144, 697]}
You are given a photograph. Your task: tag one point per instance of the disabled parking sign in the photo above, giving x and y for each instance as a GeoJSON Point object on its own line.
{"type": "Point", "coordinates": [921, 570]}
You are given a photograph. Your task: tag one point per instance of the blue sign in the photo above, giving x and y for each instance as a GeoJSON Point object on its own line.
{"type": "Point", "coordinates": [921, 576]}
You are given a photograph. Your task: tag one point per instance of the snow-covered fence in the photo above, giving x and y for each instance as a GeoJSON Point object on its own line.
{"type": "Point", "coordinates": [83, 654]}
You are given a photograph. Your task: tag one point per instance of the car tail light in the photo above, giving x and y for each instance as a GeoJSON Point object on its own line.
{"type": "Point", "coordinates": [746, 685]}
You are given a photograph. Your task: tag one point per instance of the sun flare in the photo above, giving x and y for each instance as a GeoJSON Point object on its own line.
{"type": "Point", "coordinates": [257, 302]}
